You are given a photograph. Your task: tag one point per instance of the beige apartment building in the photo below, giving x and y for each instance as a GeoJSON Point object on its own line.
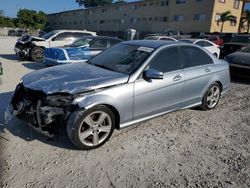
{"type": "Point", "coordinates": [152, 16]}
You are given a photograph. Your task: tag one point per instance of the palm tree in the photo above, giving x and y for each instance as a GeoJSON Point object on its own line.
{"type": "Point", "coordinates": [224, 17]}
{"type": "Point", "coordinates": [246, 19]}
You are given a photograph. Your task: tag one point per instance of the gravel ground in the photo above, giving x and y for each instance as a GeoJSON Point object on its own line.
{"type": "Point", "coordinates": [188, 148]}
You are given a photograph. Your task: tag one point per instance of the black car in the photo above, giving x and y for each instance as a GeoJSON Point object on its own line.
{"type": "Point", "coordinates": [240, 62]}
{"type": "Point", "coordinates": [236, 44]}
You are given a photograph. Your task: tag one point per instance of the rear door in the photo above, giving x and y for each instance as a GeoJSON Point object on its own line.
{"type": "Point", "coordinates": [198, 70]}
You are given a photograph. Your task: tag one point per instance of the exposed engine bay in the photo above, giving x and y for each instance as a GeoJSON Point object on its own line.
{"type": "Point", "coordinates": [42, 111]}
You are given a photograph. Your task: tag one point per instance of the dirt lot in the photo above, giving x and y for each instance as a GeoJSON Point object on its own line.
{"type": "Point", "coordinates": [189, 148]}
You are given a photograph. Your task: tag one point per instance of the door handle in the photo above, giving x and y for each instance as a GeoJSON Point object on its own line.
{"type": "Point", "coordinates": [208, 69]}
{"type": "Point", "coordinates": [177, 77]}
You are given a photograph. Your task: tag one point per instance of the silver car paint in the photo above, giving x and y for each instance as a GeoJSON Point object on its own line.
{"type": "Point", "coordinates": [136, 101]}
{"type": "Point", "coordinates": [76, 78]}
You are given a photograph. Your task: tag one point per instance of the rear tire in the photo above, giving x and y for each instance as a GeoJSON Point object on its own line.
{"type": "Point", "coordinates": [36, 54]}
{"type": "Point", "coordinates": [212, 97]}
{"type": "Point", "coordinates": [90, 129]}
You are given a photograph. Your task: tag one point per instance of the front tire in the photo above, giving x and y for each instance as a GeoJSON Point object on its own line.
{"type": "Point", "coordinates": [212, 97]}
{"type": "Point", "coordinates": [37, 54]}
{"type": "Point", "coordinates": [90, 129]}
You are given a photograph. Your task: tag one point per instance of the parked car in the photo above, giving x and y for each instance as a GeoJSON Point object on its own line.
{"type": "Point", "coordinates": [213, 38]}
{"type": "Point", "coordinates": [240, 62]}
{"type": "Point", "coordinates": [1, 73]}
{"type": "Point", "coordinates": [158, 37]}
{"type": "Point", "coordinates": [81, 50]}
{"type": "Point", "coordinates": [236, 44]}
{"type": "Point", "coordinates": [128, 83]}
{"type": "Point", "coordinates": [33, 47]}
{"type": "Point", "coordinates": [208, 45]}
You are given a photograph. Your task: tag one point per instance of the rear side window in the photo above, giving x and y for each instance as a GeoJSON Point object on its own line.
{"type": "Point", "coordinates": [166, 60]}
{"type": "Point", "coordinates": [192, 56]}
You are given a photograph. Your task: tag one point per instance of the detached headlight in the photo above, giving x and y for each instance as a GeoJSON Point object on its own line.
{"type": "Point", "coordinates": [58, 100]}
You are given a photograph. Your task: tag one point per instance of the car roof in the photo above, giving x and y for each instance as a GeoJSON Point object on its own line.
{"type": "Point", "coordinates": [150, 43]}
{"type": "Point", "coordinates": [101, 37]}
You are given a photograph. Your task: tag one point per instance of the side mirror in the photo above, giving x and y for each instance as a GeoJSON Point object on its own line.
{"type": "Point", "coordinates": [53, 39]}
{"type": "Point", "coordinates": [153, 74]}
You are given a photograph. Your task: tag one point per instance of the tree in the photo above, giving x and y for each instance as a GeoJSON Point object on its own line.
{"type": "Point", "coordinates": [93, 3]}
{"type": "Point", "coordinates": [224, 17]}
{"type": "Point", "coordinates": [246, 19]}
{"type": "Point", "coordinates": [31, 19]}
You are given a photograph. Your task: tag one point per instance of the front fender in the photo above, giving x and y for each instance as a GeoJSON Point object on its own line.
{"type": "Point", "coordinates": [118, 97]}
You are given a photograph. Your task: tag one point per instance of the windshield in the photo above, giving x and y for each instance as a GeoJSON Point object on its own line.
{"type": "Point", "coordinates": [48, 35]}
{"type": "Point", "coordinates": [81, 42]}
{"type": "Point", "coordinates": [241, 39]}
{"type": "Point", "coordinates": [122, 58]}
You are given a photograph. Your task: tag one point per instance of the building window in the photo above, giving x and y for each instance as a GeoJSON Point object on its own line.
{"type": "Point", "coordinates": [163, 19]}
{"type": "Point", "coordinates": [151, 4]}
{"type": "Point", "coordinates": [178, 18]}
{"type": "Point", "coordinates": [200, 17]}
{"type": "Point", "coordinates": [217, 16]}
{"type": "Point", "coordinates": [236, 4]}
{"type": "Point", "coordinates": [134, 7]}
{"type": "Point", "coordinates": [164, 3]}
{"type": "Point", "coordinates": [180, 1]}
{"type": "Point", "coordinates": [133, 20]}
{"type": "Point", "coordinates": [222, 1]}
{"type": "Point", "coordinates": [233, 22]}
{"type": "Point", "coordinates": [150, 18]}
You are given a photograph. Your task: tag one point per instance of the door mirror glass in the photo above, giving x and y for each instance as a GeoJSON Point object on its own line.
{"type": "Point", "coordinates": [53, 39]}
{"type": "Point", "coordinates": [153, 74]}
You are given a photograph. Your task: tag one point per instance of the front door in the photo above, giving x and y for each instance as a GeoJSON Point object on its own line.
{"type": "Point", "coordinates": [160, 95]}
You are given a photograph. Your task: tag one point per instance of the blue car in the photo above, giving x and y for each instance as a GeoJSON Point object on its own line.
{"type": "Point", "coordinates": [79, 51]}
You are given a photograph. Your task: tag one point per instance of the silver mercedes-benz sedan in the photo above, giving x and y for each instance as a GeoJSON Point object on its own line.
{"type": "Point", "coordinates": [128, 83]}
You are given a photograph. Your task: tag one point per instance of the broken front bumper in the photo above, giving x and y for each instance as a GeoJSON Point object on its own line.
{"type": "Point", "coordinates": [32, 106]}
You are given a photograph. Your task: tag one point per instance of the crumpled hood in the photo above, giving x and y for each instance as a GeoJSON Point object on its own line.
{"type": "Point", "coordinates": [73, 78]}
{"type": "Point", "coordinates": [239, 58]}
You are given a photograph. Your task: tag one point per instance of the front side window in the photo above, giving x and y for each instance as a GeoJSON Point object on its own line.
{"type": "Point", "coordinates": [122, 58]}
{"type": "Point", "coordinates": [166, 60]}
{"type": "Point", "coordinates": [63, 36]}
{"type": "Point", "coordinates": [193, 56]}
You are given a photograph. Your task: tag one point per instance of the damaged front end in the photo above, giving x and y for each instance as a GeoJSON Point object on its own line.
{"type": "Point", "coordinates": [42, 111]}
